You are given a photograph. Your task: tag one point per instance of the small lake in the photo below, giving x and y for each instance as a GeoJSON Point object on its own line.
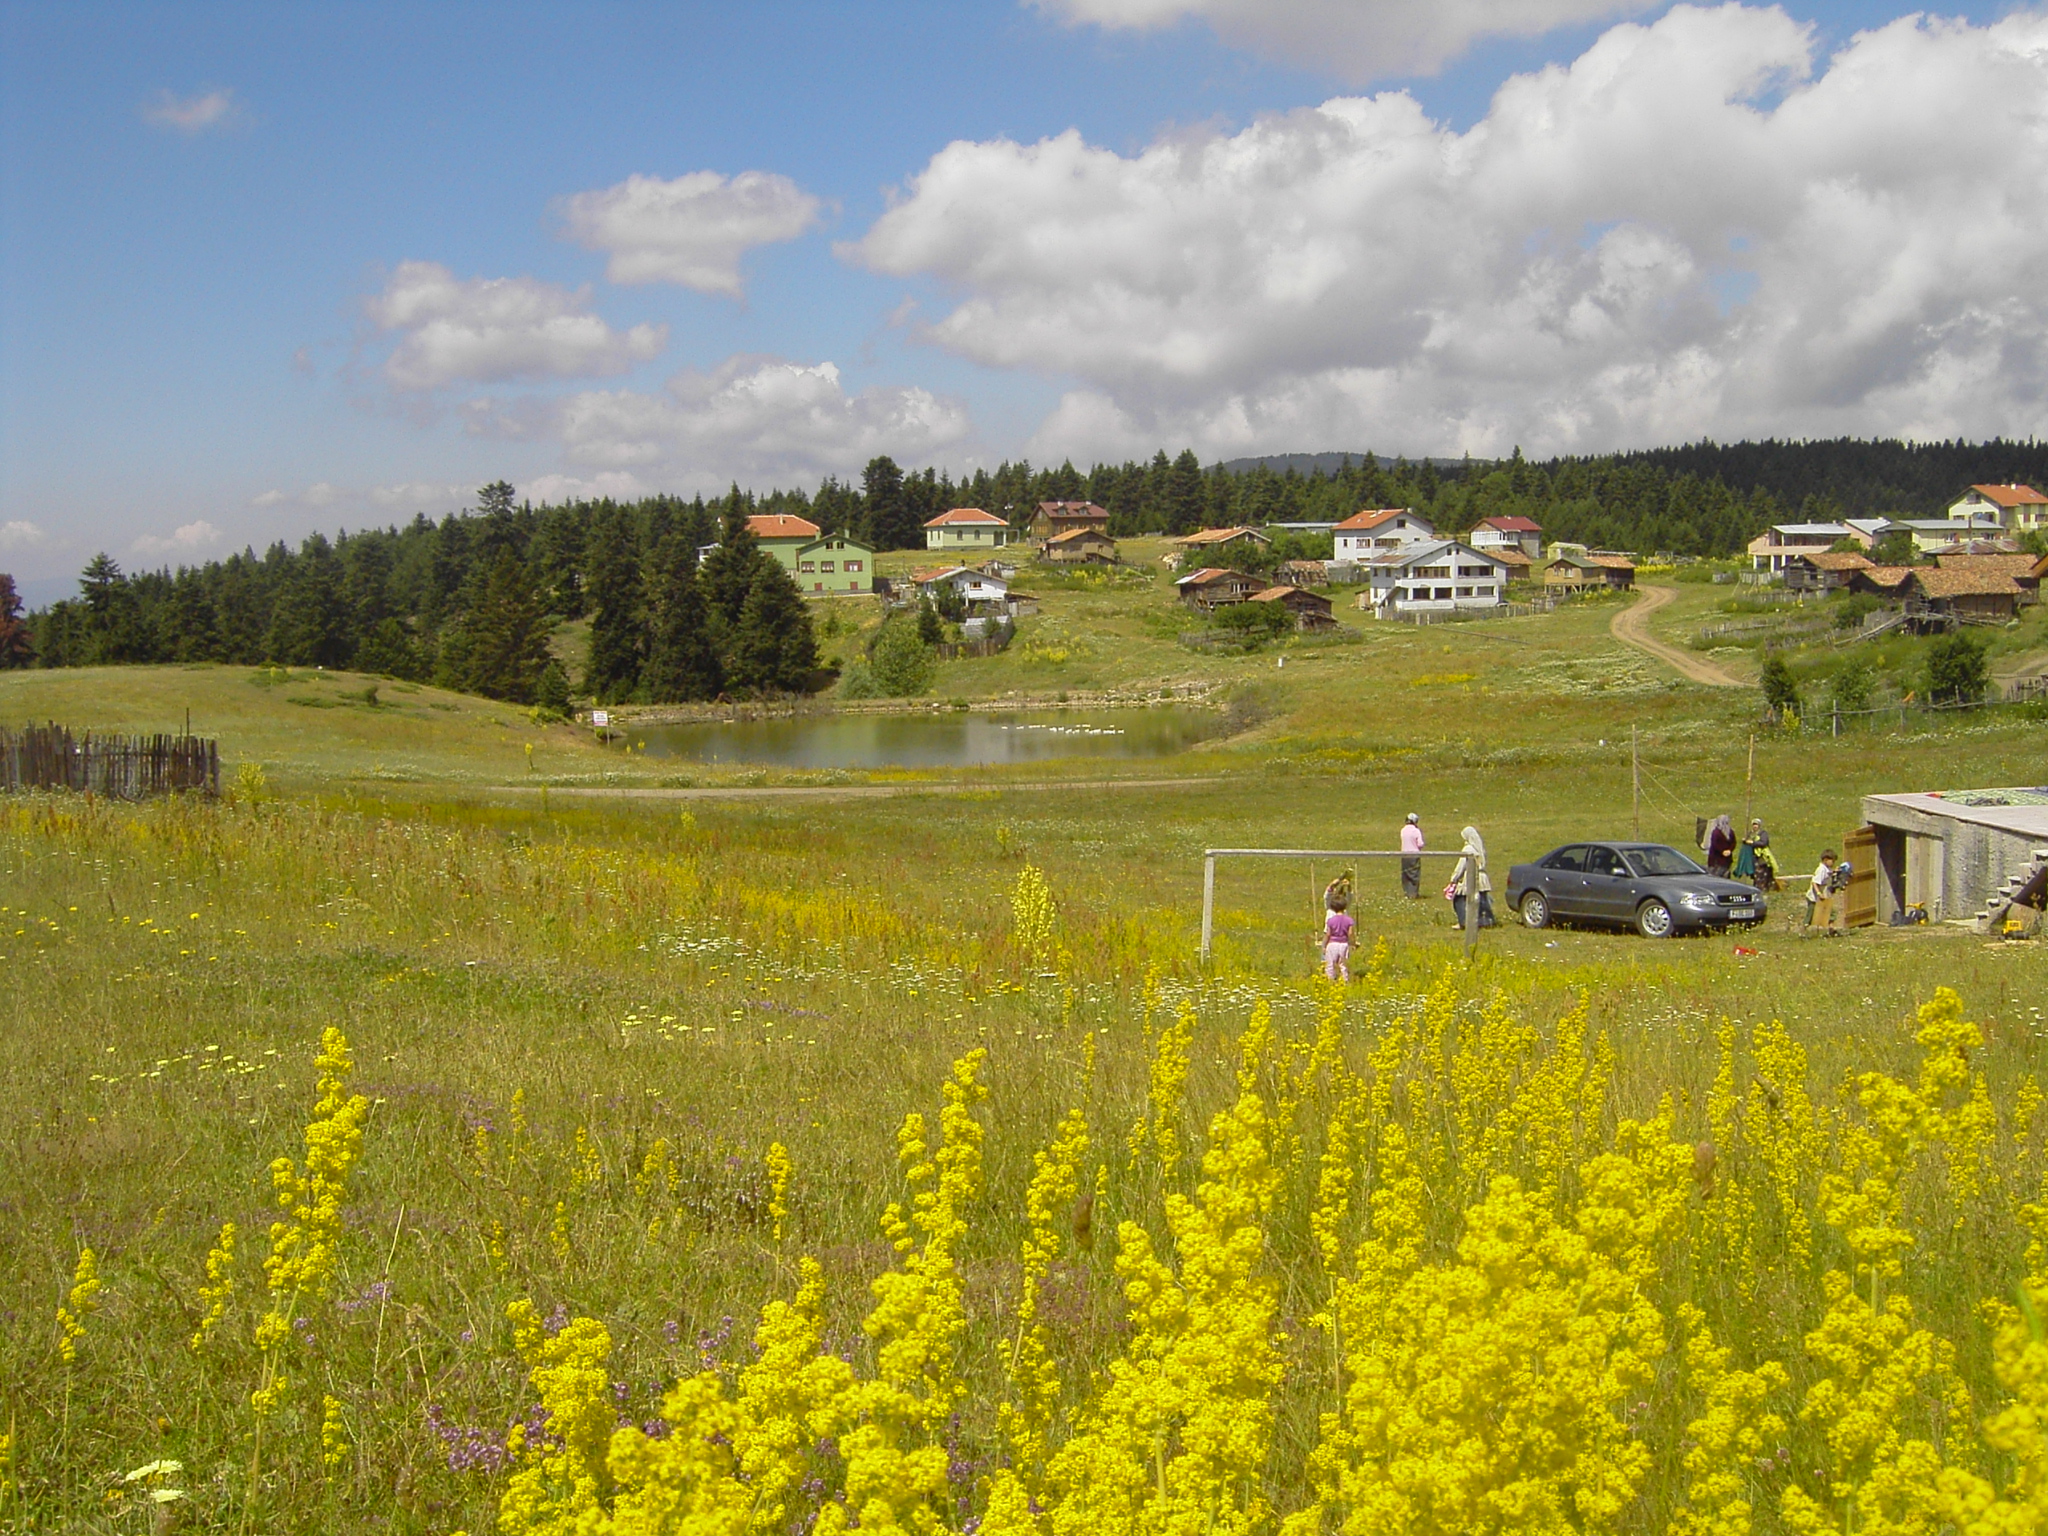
{"type": "Point", "coordinates": [942, 739]}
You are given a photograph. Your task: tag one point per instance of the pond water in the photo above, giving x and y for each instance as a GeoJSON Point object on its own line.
{"type": "Point", "coordinates": [947, 739]}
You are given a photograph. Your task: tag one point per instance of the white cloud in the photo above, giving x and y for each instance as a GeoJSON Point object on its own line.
{"type": "Point", "coordinates": [188, 539]}
{"type": "Point", "coordinates": [692, 230]}
{"type": "Point", "coordinates": [1689, 229]}
{"type": "Point", "coordinates": [21, 535]}
{"type": "Point", "coordinates": [752, 418]}
{"type": "Point", "coordinates": [482, 329]}
{"type": "Point", "coordinates": [190, 114]}
{"type": "Point", "coordinates": [1352, 39]}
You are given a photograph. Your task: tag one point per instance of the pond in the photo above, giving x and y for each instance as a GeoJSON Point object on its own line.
{"type": "Point", "coordinates": [949, 739]}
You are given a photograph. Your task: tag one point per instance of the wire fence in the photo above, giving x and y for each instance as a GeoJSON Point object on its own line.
{"type": "Point", "coordinates": [118, 767]}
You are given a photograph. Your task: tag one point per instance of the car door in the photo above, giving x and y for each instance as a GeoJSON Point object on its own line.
{"type": "Point", "coordinates": [1609, 888]}
{"type": "Point", "coordinates": [1560, 877]}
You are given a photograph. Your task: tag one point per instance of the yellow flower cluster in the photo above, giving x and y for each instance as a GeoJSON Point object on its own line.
{"type": "Point", "coordinates": [303, 1249]}
{"type": "Point", "coordinates": [79, 1303]}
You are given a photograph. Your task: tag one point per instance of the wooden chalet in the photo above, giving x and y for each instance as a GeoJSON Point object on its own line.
{"type": "Point", "coordinates": [1211, 588]}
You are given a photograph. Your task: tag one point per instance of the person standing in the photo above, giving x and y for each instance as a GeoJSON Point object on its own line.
{"type": "Point", "coordinates": [1721, 846]}
{"type": "Point", "coordinates": [1411, 865]}
{"type": "Point", "coordinates": [1470, 876]}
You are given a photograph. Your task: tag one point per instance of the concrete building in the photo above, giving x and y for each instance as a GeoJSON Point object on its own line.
{"type": "Point", "coordinates": [1950, 852]}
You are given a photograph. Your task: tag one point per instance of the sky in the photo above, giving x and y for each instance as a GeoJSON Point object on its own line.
{"type": "Point", "coordinates": [266, 269]}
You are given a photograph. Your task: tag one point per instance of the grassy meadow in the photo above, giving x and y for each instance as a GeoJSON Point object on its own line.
{"type": "Point", "coordinates": [1589, 1234]}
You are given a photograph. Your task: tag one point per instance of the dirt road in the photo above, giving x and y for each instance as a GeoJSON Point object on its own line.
{"type": "Point", "coordinates": [1631, 626]}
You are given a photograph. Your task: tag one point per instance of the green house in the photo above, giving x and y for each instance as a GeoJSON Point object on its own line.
{"type": "Point", "coordinates": [835, 565]}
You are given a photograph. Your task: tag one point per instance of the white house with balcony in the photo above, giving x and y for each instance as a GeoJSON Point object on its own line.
{"type": "Point", "coordinates": [1365, 536]}
{"type": "Point", "coordinates": [1439, 576]}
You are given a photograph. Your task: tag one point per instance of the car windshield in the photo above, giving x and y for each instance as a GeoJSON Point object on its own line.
{"type": "Point", "coordinates": [1662, 861]}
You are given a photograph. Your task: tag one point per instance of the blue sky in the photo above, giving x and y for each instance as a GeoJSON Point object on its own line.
{"type": "Point", "coordinates": [1266, 230]}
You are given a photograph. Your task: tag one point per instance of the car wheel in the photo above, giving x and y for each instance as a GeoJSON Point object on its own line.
{"type": "Point", "coordinates": [1535, 910]}
{"type": "Point", "coordinates": [1654, 921]}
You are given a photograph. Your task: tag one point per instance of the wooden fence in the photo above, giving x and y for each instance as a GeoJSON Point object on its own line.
{"type": "Point", "coordinates": [119, 767]}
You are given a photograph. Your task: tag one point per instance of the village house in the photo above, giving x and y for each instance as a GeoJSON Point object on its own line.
{"type": "Point", "coordinates": [1962, 596]}
{"type": "Point", "coordinates": [1824, 570]}
{"type": "Point", "coordinates": [1310, 610]}
{"type": "Point", "coordinates": [978, 590]}
{"type": "Point", "coordinates": [835, 565]}
{"type": "Point", "coordinates": [1441, 576]}
{"type": "Point", "coordinates": [1079, 546]}
{"type": "Point", "coordinates": [2017, 508]}
{"type": "Point", "coordinates": [1366, 536]}
{"type": "Point", "coordinates": [1211, 588]}
{"type": "Point", "coordinates": [1495, 534]}
{"type": "Point", "coordinates": [1211, 541]}
{"type": "Point", "coordinates": [1575, 568]}
{"type": "Point", "coordinates": [2024, 569]}
{"type": "Point", "coordinates": [1059, 516]}
{"type": "Point", "coordinates": [782, 535]}
{"type": "Point", "coordinates": [967, 528]}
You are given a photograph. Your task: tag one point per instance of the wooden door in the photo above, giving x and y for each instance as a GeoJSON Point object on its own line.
{"type": "Point", "coordinates": [1859, 908]}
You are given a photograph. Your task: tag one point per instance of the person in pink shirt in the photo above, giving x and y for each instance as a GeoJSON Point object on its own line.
{"type": "Point", "coordinates": [1337, 926]}
{"type": "Point", "coordinates": [1411, 866]}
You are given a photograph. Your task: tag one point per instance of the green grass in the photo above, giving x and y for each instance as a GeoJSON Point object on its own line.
{"type": "Point", "coordinates": [727, 973]}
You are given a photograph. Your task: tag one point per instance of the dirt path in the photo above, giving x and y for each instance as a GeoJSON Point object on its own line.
{"type": "Point", "coordinates": [1631, 626]}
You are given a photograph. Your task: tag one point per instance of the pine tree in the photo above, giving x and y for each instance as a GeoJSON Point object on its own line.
{"type": "Point", "coordinates": [309, 626]}
{"type": "Point", "coordinates": [17, 645]}
{"type": "Point", "coordinates": [773, 649]}
{"type": "Point", "coordinates": [503, 635]}
{"type": "Point", "coordinates": [617, 621]}
{"type": "Point", "coordinates": [727, 574]}
{"type": "Point", "coordinates": [682, 661]}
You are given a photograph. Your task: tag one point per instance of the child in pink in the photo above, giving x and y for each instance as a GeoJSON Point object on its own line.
{"type": "Point", "coordinates": [1337, 927]}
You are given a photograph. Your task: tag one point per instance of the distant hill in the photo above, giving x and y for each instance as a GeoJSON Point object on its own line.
{"type": "Point", "coordinates": [1305, 464]}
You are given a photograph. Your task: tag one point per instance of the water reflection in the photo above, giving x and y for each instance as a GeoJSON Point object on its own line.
{"type": "Point", "coordinates": [952, 739]}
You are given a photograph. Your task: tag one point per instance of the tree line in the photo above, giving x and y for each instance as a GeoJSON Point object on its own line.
{"type": "Point", "coordinates": [469, 601]}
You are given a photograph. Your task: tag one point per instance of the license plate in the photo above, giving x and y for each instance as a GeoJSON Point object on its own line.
{"type": "Point", "coordinates": [1742, 915]}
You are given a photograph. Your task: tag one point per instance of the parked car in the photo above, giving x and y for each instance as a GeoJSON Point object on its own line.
{"type": "Point", "coordinates": [1654, 889]}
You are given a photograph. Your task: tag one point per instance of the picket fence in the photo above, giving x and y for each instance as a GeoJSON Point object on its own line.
{"type": "Point", "coordinates": [119, 767]}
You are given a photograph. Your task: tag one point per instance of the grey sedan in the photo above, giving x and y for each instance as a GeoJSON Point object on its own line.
{"type": "Point", "coordinates": [1656, 890]}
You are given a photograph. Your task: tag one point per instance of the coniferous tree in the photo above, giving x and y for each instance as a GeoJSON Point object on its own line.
{"type": "Point", "coordinates": [501, 643]}
{"type": "Point", "coordinates": [617, 622]}
{"type": "Point", "coordinates": [727, 574]}
{"type": "Point", "coordinates": [682, 660]}
{"type": "Point", "coordinates": [309, 625]}
{"type": "Point", "coordinates": [17, 644]}
{"type": "Point", "coordinates": [773, 648]}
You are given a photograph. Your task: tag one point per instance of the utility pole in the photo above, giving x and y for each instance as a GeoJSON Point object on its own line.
{"type": "Point", "coordinates": [1749, 787]}
{"type": "Point", "coordinates": [1635, 784]}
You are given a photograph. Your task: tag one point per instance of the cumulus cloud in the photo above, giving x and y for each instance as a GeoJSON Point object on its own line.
{"type": "Point", "coordinates": [188, 539]}
{"type": "Point", "coordinates": [1697, 226]}
{"type": "Point", "coordinates": [692, 230]}
{"type": "Point", "coordinates": [1352, 39]}
{"type": "Point", "coordinates": [480, 329]}
{"type": "Point", "coordinates": [757, 418]}
{"type": "Point", "coordinates": [20, 535]}
{"type": "Point", "coordinates": [190, 114]}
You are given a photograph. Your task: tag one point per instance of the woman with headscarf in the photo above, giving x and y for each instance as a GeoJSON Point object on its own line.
{"type": "Point", "coordinates": [1471, 875]}
{"type": "Point", "coordinates": [1720, 846]}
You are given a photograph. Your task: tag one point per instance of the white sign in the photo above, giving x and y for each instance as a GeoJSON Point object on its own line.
{"type": "Point", "coordinates": [600, 718]}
